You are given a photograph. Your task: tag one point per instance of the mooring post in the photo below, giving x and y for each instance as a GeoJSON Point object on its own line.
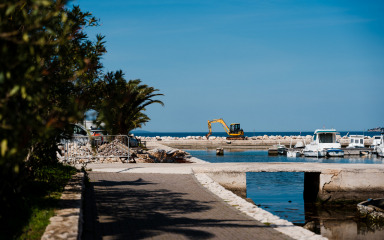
{"type": "Point", "coordinates": [220, 151]}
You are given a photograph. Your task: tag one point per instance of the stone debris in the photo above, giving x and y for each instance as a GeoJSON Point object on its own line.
{"type": "Point", "coordinates": [114, 151]}
{"type": "Point", "coordinates": [117, 152]}
{"type": "Point", "coordinates": [163, 156]}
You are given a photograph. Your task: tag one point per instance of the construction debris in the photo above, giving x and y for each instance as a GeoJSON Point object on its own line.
{"type": "Point", "coordinates": [117, 152]}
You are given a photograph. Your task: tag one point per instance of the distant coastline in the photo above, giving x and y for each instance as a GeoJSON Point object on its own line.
{"type": "Point", "coordinates": [378, 129]}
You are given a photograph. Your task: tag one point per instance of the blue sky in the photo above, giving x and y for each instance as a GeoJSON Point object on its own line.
{"type": "Point", "coordinates": [269, 65]}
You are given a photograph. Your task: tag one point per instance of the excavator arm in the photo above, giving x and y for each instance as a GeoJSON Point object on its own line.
{"type": "Point", "coordinates": [220, 120]}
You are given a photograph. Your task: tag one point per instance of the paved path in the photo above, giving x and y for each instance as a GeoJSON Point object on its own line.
{"type": "Point", "coordinates": [162, 206]}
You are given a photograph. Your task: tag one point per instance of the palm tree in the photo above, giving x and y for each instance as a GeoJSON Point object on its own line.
{"type": "Point", "coordinates": [122, 104]}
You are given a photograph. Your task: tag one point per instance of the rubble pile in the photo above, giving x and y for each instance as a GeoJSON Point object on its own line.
{"type": "Point", "coordinates": [116, 152]}
{"type": "Point", "coordinates": [113, 149]}
{"type": "Point", "coordinates": [110, 152]}
{"type": "Point", "coordinates": [162, 156]}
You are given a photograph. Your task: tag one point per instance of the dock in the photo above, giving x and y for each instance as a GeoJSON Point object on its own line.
{"type": "Point", "coordinates": [347, 151]}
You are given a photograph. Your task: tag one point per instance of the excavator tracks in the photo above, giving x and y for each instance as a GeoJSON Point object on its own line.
{"type": "Point", "coordinates": [236, 138]}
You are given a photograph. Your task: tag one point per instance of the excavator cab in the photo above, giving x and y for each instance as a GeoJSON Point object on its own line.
{"type": "Point", "coordinates": [235, 128]}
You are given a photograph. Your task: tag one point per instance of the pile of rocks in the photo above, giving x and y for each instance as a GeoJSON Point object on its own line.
{"type": "Point", "coordinates": [117, 152]}
{"type": "Point", "coordinates": [110, 152]}
{"type": "Point", "coordinates": [162, 156]}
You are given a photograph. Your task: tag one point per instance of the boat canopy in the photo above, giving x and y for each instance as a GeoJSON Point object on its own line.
{"type": "Point", "coordinates": [325, 135]}
{"type": "Point", "coordinates": [325, 131]}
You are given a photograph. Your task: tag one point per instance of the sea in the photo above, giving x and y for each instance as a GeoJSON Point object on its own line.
{"type": "Point", "coordinates": [282, 193]}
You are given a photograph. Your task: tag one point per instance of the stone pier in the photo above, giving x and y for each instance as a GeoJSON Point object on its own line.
{"type": "Point", "coordinates": [322, 182]}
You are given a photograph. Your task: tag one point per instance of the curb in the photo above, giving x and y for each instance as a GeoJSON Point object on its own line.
{"type": "Point", "coordinates": [68, 220]}
{"type": "Point", "coordinates": [283, 226]}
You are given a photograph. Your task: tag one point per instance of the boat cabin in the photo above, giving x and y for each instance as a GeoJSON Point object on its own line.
{"type": "Point", "coordinates": [325, 136]}
{"type": "Point", "coordinates": [376, 141]}
{"type": "Point", "coordinates": [324, 144]}
{"type": "Point", "coordinates": [356, 141]}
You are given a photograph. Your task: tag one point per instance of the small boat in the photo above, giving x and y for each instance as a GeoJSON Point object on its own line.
{"type": "Point", "coordinates": [324, 144]}
{"type": "Point", "coordinates": [281, 149]}
{"type": "Point", "coordinates": [376, 140]}
{"type": "Point", "coordinates": [299, 144]}
{"type": "Point", "coordinates": [314, 153]}
{"type": "Point", "coordinates": [380, 147]}
{"type": "Point", "coordinates": [291, 153]}
{"type": "Point", "coordinates": [356, 141]}
{"type": "Point", "coordinates": [335, 152]}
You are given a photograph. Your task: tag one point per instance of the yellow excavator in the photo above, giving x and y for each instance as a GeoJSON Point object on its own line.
{"type": "Point", "coordinates": [234, 131]}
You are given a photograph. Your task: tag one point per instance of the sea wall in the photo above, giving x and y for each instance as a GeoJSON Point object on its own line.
{"type": "Point", "coordinates": [257, 142]}
{"type": "Point", "coordinates": [323, 182]}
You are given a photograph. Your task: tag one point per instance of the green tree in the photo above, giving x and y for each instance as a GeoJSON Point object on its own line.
{"type": "Point", "coordinates": [47, 68]}
{"type": "Point", "coordinates": [122, 104]}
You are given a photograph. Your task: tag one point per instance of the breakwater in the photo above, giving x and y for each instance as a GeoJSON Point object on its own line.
{"type": "Point", "coordinates": [257, 142]}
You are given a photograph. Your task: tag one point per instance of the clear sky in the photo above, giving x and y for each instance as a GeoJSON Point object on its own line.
{"type": "Point", "coordinates": [278, 65]}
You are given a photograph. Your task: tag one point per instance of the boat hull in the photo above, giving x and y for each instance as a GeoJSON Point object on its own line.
{"type": "Point", "coordinates": [335, 153]}
{"type": "Point", "coordinates": [293, 154]}
{"type": "Point", "coordinates": [314, 153]}
{"type": "Point", "coordinates": [380, 151]}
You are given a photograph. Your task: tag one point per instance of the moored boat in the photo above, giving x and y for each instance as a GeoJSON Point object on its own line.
{"type": "Point", "coordinates": [324, 144]}
{"type": "Point", "coordinates": [291, 153]}
{"type": "Point", "coordinates": [335, 152]}
{"type": "Point", "coordinates": [380, 147]}
{"type": "Point", "coordinates": [281, 149]}
{"type": "Point", "coordinates": [356, 141]}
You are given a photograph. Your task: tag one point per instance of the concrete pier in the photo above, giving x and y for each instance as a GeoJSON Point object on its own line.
{"type": "Point", "coordinates": [325, 182]}
{"type": "Point", "coordinates": [249, 144]}
{"type": "Point", "coordinates": [322, 182]}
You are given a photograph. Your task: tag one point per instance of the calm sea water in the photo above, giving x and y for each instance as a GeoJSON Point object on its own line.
{"type": "Point", "coordinates": [281, 193]}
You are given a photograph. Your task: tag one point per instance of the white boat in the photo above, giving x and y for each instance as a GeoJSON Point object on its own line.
{"type": "Point", "coordinates": [324, 144]}
{"type": "Point", "coordinates": [299, 144]}
{"type": "Point", "coordinates": [335, 152]}
{"type": "Point", "coordinates": [356, 141]}
{"type": "Point", "coordinates": [376, 140]}
{"type": "Point", "coordinates": [281, 149]}
{"type": "Point", "coordinates": [291, 153]}
{"type": "Point", "coordinates": [380, 147]}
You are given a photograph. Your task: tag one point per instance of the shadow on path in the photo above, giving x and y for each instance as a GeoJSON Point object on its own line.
{"type": "Point", "coordinates": [160, 206]}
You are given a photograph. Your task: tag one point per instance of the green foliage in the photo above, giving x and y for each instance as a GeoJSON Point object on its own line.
{"type": "Point", "coordinates": [122, 104]}
{"type": "Point", "coordinates": [50, 74]}
{"type": "Point", "coordinates": [27, 217]}
{"type": "Point", "coordinates": [47, 66]}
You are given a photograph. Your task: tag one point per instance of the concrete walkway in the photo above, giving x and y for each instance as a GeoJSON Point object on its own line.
{"type": "Point", "coordinates": [162, 206]}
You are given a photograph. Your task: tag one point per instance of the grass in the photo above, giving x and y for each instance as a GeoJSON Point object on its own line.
{"type": "Point", "coordinates": [31, 211]}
